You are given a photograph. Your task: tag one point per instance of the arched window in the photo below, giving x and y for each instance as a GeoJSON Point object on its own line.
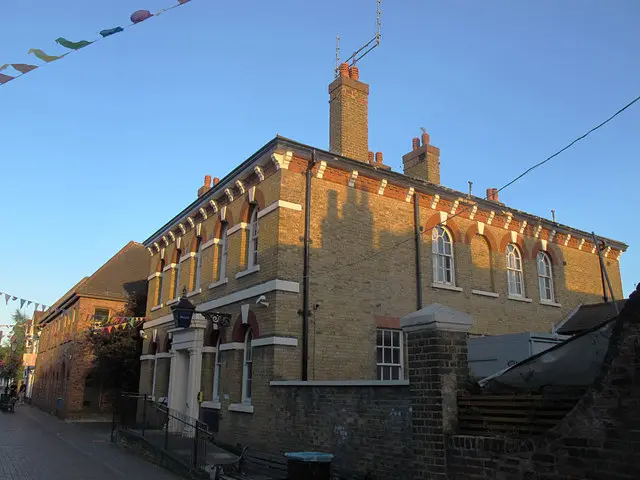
{"type": "Point", "coordinates": [198, 265]}
{"type": "Point", "coordinates": [442, 248]}
{"type": "Point", "coordinates": [515, 282]}
{"type": "Point", "coordinates": [216, 373]}
{"type": "Point", "coordinates": [545, 277]}
{"type": "Point", "coordinates": [247, 373]}
{"type": "Point", "coordinates": [223, 247]}
{"type": "Point", "coordinates": [176, 275]}
{"type": "Point", "coordinates": [252, 252]}
{"type": "Point", "coordinates": [159, 285]}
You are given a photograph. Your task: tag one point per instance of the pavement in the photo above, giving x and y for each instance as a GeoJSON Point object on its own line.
{"type": "Point", "coordinates": [37, 446]}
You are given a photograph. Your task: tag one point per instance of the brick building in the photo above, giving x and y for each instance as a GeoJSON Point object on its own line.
{"type": "Point", "coordinates": [64, 359]}
{"type": "Point", "coordinates": [316, 255]}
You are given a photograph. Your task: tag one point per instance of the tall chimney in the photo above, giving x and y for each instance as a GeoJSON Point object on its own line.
{"type": "Point", "coordinates": [207, 185]}
{"type": "Point", "coordinates": [423, 161]}
{"type": "Point", "coordinates": [349, 115]}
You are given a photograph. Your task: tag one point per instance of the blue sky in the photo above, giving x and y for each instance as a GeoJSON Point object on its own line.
{"type": "Point", "coordinates": [106, 145]}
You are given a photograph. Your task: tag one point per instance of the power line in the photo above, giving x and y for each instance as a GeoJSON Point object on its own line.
{"type": "Point", "coordinates": [465, 208]}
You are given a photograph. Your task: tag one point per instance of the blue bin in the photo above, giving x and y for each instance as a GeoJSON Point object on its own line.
{"type": "Point", "coordinates": [309, 465]}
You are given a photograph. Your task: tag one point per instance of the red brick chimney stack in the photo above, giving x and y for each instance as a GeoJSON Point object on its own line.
{"type": "Point", "coordinates": [492, 194]}
{"type": "Point", "coordinates": [206, 187]}
{"type": "Point", "coordinates": [423, 161]}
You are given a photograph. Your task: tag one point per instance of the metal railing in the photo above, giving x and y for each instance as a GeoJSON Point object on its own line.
{"type": "Point", "coordinates": [184, 437]}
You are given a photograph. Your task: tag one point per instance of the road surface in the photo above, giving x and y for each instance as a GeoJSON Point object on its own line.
{"type": "Point", "coordinates": [37, 446]}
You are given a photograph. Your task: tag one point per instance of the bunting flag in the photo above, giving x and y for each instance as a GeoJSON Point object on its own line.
{"type": "Point", "coordinates": [7, 297]}
{"type": "Point", "coordinates": [43, 56]}
{"type": "Point", "coordinates": [137, 17]}
{"type": "Point", "coordinates": [72, 45]}
{"type": "Point", "coordinates": [22, 302]}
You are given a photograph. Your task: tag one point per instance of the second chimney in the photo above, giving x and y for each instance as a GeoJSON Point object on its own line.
{"type": "Point", "coordinates": [349, 115]}
{"type": "Point", "coordinates": [423, 161]}
{"type": "Point", "coordinates": [207, 185]}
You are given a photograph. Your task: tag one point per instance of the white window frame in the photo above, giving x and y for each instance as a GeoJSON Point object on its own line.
{"type": "Point", "coordinates": [546, 275]}
{"type": "Point", "coordinates": [223, 245]}
{"type": "Point", "coordinates": [160, 282]}
{"type": "Point", "coordinates": [381, 364]}
{"type": "Point", "coordinates": [215, 394]}
{"type": "Point", "coordinates": [197, 265]}
{"type": "Point", "coordinates": [441, 257]}
{"type": "Point", "coordinates": [252, 251]}
{"type": "Point", "coordinates": [515, 274]}
{"type": "Point", "coordinates": [247, 368]}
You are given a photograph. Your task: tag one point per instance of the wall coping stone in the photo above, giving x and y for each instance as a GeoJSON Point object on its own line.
{"type": "Point", "coordinates": [437, 317]}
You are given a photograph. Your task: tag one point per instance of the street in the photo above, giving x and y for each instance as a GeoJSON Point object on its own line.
{"type": "Point", "coordinates": [37, 446]}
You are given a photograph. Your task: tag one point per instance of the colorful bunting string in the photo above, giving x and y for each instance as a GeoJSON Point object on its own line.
{"type": "Point", "coordinates": [8, 297]}
{"type": "Point", "coordinates": [22, 68]}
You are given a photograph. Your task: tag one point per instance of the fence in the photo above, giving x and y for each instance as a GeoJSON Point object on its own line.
{"type": "Point", "coordinates": [181, 436]}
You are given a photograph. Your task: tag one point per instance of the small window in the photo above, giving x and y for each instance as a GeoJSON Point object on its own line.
{"type": "Point", "coordinates": [247, 374]}
{"type": "Point", "coordinates": [253, 238]}
{"type": "Point", "coordinates": [216, 373]}
{"type": "Point", "coordinates": [545, 277]}
{"type": "Point", "coordinates": [515, 283]}
{"type": "Point", "coordinates": [389, 356]}
{"type": "Point", "coordinates": [101, 315]}
{"type": "Point", "coordinates": [223, 247]}
{"type": "Point", "coordinates": [442, 249]}
{"type": "Point", "coordinates": [198, 265]}
{"type": "Point", "coordinates": [176, 275]}
{"type": "Point", "coordinates": [159, 284]}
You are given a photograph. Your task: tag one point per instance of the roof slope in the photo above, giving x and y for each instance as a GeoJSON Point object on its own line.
{"type": "Point", "coordinates": [586, 317]}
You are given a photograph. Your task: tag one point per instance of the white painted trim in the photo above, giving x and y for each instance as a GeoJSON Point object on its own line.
{"type": "Point", "coordinates": [163, 355]}
{"type": "Point", "coordinates": [485, 293]}
{"type": "Point", "coordinates": [473, 212]}
{"type": "Point", "coordinates": [147, 357]}
{"type": "Point", "coordinates": [169, 267]}
{"type": "Point", "coordinates": [213, 405]}
{"type": "Point", "coordinates": [519, 299]}
{"type": "Point", "coordinates": [523, 225]}
{"type": "Point", "coordinates": [281, 160]}
{"type": "Point", "coordinates": [338, 383]}
{"type": "Point", "coordinates": [444, 286]}
{"type": "Point", "coordinates": [254, 291]}
{"type": "Point", "coordinates": [550, 304]}
{"type": "Point", "coordinates": [434, 201]}
{"type": "Point", "coordinates": [353, 177]}
{"type": "Point", "coordinates": [237, 227]}
{"type": "Point", "coordinates": [187, 256]}
{"type": "Point", "coordinates": [231, 346]}
{"type": "Point", "coordinates": [279, 204]}
{"type": "Point", "coordinates": [409, 195]}
{"type": "Point", "coordinates": [218, 283]}
{"type": "Point", "coordinates": [173, 301]}
{"type": "Point", "coordinates": [194, 292]}
{"type": "Point", "coordinates": [157, 307]}
{"type": "Point", "coordinates": [321, 168]}
{"type": "Point", "coordinates": [248, 271]}
{"type": "Point", "coordinates": [213, 241]}
{"type": "Point", "coordinates": [267, 341]}
{"type": "Point", "coordinates": [492, 215]}
{"type": "Point", "coordinates": [241, 407]}
{"type": "Point", "coordinates": [258, 171]}
{"type": "Point", "coordinates": [383, 185]}
{"type": "Point", "coordinates": [209, 349]}
{"type": "Point", "coordinates": [153, 275]}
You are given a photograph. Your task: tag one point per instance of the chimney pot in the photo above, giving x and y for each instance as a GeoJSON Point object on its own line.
{"type": "Point", "coordinates": [378, 157]}
{"type": "Point", "coordinates": [415, 143]}
{"type": "Point", "coordinates": [216, 180]}
{"type": "Point", "coordinates": [344, 69]}
{"type": "Point", "coordinates": [425, 139]}
{"type": "Point", "coordinates": [354, 73]}
{"type": "Point", "coordinates": [207, 180]}
{"type": "Point", "coordinates": [370, 157]}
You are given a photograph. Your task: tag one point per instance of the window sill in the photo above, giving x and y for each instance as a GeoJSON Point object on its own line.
{"type": "Point", "coordinates": [485, 293]}
{"type": "Point", "coordinates": [444, 286]}
{"type": "Point", "coordinates": [173, 301]}
{"type": "Point", "coordinates": [218, 283]}
{"type": "Point", "coordinates": [241, 407]}
{"type": "Point", "coordinates": [213, 405]}
{"type": "Point", "coordinates": [248, 271]}
{"type": "Point", "coordinates": [550, 304]}
{"type": "Point", "coordinates": [519, 299]}
{"type": "Point", "coordinates": [157, 307]}
{"type": "Point", "coordinates": [194, 292]}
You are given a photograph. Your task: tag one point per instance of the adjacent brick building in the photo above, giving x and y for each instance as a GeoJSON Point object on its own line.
{"type": "Point", "coordinates": [316, 255]}
{"type": "Point", "coordinates": [64, 358]}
